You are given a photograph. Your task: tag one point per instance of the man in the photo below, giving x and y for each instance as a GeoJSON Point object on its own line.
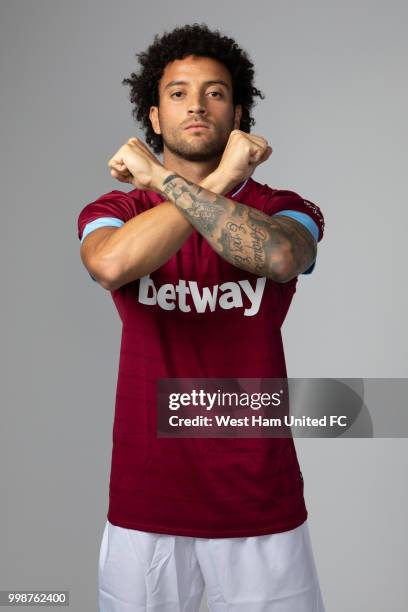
{"type": "Point", "coordinates": [202, 263]}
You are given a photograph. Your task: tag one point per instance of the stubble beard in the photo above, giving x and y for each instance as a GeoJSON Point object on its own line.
{"type": "Point", "coordinates": [202, 150]}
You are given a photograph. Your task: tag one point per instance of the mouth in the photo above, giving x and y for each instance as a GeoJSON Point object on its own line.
{"type": "Point", "coordinates": [197, 126]}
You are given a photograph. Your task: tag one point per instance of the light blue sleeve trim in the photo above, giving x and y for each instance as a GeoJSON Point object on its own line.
{"type": "Point", "coordinates": [308, 222]}
{"type": "Point", "coordinates": [303, 218]}
{"type": "Point", "coordinates": [101, 222]}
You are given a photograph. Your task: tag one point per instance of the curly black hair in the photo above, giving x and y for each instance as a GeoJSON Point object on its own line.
{"type": "Point", "coordinates": [199, 40]}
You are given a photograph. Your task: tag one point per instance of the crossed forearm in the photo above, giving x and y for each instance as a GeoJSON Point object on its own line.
{"type": "Point", "coordinates": [145, 242]}
{"type": "Point", "coordinates": [242, 235]}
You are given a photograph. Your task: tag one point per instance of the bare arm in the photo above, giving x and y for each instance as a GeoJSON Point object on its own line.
{"type": "Point", "coordinates": [277, 247]}
{"type": "Point", "coordinates": [117, 256]}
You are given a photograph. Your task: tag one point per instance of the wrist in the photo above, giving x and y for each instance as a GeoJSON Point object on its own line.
{"type": "Point", "coordinates": [160, 174]}
{"type": "Point", "coordinates": [218, 182]}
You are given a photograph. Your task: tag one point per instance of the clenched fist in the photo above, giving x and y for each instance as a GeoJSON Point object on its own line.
{"type": "Point", "coordinates": [134, 163]}
{"type": "Point", "coordinates": [242, 154]}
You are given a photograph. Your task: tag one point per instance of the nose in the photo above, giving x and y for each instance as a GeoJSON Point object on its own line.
{"type": "Point", "coordinates": [197, 106]}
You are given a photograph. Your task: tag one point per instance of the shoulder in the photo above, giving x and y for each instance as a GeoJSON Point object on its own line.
{"type": "Point", "coordinates": [272, 200]}
{"type": "Point", "coordinates": [113, 209]}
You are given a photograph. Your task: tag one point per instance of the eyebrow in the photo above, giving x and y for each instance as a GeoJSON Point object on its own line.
{"type": "Point", "coordinates": [217, 82]}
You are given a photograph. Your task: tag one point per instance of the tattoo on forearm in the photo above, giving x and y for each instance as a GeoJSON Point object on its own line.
{"type": "Point", "coordinates": [197, 204]}
{"type": "Point", "coordinates": [242, 235]}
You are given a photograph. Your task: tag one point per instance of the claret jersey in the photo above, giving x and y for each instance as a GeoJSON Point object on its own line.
{"type": "Point", "coordinates": [199, 316]}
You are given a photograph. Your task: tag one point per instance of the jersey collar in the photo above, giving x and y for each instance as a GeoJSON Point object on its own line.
{"type": "Point", "coordinates": [237, 189]}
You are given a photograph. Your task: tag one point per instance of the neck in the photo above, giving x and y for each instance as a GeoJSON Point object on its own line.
{"type": "Point", "coordinates": [193, 171]}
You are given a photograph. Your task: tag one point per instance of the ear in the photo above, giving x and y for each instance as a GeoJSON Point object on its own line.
{"type": "Point", "coordinates": [154, 119]}
{"type": "Point", "coordinates": [237, 117]}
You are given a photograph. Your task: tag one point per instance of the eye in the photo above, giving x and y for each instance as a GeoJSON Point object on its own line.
{"type": "Point", "coordinates": [175, 94]}
{"type": "Point", "coordinates": [217, 93]}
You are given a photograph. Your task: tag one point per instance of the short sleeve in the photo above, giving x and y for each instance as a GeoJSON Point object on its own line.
{"type": "Point", "coordinates": [291, 204]}
{"type": "Point", "coordinates": [280, 200]}
{"type": "Point", "coordinates": [113, 208]}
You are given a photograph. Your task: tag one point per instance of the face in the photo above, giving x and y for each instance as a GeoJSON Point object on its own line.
{"type": "Point", "coordinates": [195, 90]}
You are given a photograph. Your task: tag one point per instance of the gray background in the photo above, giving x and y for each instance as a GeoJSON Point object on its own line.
{"type": "Point", "coordinates": [335, 114]}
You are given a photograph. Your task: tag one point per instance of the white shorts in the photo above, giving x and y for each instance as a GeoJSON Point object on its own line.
{"type": "Point", "coordinates": [141, 571]}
